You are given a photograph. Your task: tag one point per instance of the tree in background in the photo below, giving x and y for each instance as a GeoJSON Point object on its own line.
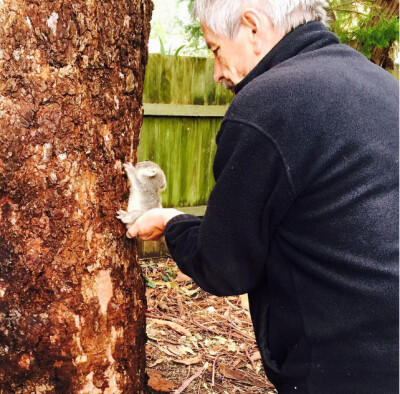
{"type": "Point", "coordinates": [72, 297]}
{"type": "Point", "coordinates": [371, 27]}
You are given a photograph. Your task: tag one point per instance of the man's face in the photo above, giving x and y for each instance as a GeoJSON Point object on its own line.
{"type": "Point", "coordinates": [236, 57]}
{"type": "Point", "coordinates": [233, 58]}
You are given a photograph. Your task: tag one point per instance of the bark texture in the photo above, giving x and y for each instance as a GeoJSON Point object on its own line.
{"type": "Point", "coordinates": [382, 56]}
{"type": "Point", "coordinates": [72, 298]}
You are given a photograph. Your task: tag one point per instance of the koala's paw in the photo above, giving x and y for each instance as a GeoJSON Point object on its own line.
{"type": "Point", "coordinates": [124, 216]}
{"type": "Point", "coordinates": [129, 167]}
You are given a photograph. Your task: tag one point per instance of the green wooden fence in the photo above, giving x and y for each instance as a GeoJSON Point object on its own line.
{"type": "Point", "coordinates": [183, 109]}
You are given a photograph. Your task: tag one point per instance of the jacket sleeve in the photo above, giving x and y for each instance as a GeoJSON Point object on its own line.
{"type": "Point", "coordinates": [226, 253]}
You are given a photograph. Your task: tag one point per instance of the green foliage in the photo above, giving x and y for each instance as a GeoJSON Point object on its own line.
{"type": "Point", "coordinates": [382, 35]}
{"type": "Point", "coordinates": [196, 45]}
{"type": "Point", "coordinates": [169, 51]}
{"type": "Point", "coordinates": [168, 276]}
{"type": "Point", "coordinates": [363, 26]}
{"type": "Point", "coordinates": [150, 283]}
{"type": "Point", "coordinates": [162, 48]}
{"type": "Point", "coordinates": [196, 36]}
{"type": "Point", "coordinates": [170, 273]}
{"type": "Point", "coordinates": [178, 50]}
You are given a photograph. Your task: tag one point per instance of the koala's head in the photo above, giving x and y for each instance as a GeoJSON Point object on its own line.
{"type": "Point", "coordinates": [151, 175]}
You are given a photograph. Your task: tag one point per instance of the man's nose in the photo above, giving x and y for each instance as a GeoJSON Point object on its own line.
{"type": "Point", "coordinates": [217, 72]}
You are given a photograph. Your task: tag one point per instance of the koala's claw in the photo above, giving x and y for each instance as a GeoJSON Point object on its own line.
{"type": "Point", "coordinates": [128, 167]}
{"type": "Point", "coordinates": [123, 216]}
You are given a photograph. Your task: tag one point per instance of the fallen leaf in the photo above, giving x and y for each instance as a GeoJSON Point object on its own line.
{"type": "Point", "coordinates": [238, 363]}
{"type": "Point", "coordinates": [231, 373]}
{"type": "Point", "coordinates": [150, 283]}
{"type": "Point", "coordinates": [244, 377]}
{"type": "Point", "coordinates": [152, 333]}
{"type": "Point", "coordinates": [219, 340]}
{"type": "Point", "coordinates": [174, 326]}
{"type": "Point", "coordinates": [174, 285]}
{"type": "Point", "coordinates": [180, 306]}
{"type": "Point", "coordinates": [189, 361]}
{"type": "Point", "coordinates": [174, 350]}
{"type": "Point", "coordinates": [158, 383]}
{"type": "Point", "coordinates": [158, 361]}
{"type": "Point", "coordinates": [149, 292]}
{"type": "Point", "coordinates": [186, 349]}
{"type": "Point", "coordinates": [163, 306]}
{"type": "Point", "coordinates": [232, 347]}
{"type": "Point", "coordinates": [166, 351]}
{"type": "Point", "coordinates": [256, 356]}
{"type": "Point", "coordinates": [189, 293]}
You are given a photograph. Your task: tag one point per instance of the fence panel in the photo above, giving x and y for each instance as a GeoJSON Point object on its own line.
{"type": "Point", "coordinates": [182, 80]}
{"type": "Point", "coordinates": [183, 109]}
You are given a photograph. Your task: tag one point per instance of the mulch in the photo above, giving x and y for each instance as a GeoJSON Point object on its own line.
{"type": "Point", "coordinates": [197, 342]}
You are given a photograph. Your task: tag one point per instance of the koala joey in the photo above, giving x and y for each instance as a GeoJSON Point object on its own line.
{"type": "Point", "coordinates": [146, 181]}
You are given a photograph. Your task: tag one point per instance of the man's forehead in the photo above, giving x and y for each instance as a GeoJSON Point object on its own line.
{"type": "Point", "coordinates": [210, 37]}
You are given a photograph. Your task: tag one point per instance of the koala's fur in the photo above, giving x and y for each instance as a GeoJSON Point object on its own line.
{"type": "Point", "coordinates": [146, 181]}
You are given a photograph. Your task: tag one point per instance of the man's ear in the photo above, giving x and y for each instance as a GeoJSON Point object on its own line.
{"type": "Point", "coordinates": [252, 19]}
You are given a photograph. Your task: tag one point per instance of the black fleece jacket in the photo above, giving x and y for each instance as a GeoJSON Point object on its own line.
{"type": "Point", "coordinates": [304, 216]}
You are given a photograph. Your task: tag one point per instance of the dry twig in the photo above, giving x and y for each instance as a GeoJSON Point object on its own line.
{"type": "Point", "coordinates": [249, 357]}
{"type": "Point", "coordinates": [193, 377]}
{"type": "Point", "coordinates": [175, 326]}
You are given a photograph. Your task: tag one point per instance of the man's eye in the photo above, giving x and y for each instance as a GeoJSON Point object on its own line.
{"type": "Point", "coordinates": [215, 51]}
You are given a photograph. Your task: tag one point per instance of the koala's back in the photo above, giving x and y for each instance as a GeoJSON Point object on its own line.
{"type": "Point", "coordinates": [148, 182]}
{"type": "Point", "coordinates": [140, 199]}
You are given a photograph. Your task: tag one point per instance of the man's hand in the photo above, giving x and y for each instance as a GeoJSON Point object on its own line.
{"type": "Point", "coordinates": [150, 226]}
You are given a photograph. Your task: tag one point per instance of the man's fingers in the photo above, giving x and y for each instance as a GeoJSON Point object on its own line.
{"type": "Point", "coordinates": [147, 237]}
{"type": "Point", "coordinates": [150, 226]}
{"type": "Point", "coordinates": [132, 231]}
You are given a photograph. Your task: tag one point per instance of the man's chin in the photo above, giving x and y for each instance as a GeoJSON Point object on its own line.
{"type": "Point", "coordinates": [228, 85]}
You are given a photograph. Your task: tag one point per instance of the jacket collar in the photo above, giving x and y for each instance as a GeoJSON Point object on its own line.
{"type": "Point", "coordinates": [304, 38]}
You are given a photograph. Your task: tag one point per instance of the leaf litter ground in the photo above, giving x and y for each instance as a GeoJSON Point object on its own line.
{"type": "Point", "coordinates": [198, 343]}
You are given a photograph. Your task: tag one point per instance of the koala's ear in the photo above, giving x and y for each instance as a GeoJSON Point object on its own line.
{"type": "Point", "coordinates": [149, 172]}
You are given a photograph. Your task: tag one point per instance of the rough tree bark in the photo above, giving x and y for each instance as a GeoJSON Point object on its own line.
{"type": "Point", "coordinates": [72, 299]}
{"type": "Point", "coordinates": [381, 56]}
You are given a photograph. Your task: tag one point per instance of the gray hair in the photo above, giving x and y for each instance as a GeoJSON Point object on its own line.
{"type": "Point", "coordinates": [223, 16]}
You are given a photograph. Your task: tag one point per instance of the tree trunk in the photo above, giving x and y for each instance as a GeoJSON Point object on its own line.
{"type": "Point", "coordinates": [72, 298]}
{"type": "Point", "coordinates": [381, 56]}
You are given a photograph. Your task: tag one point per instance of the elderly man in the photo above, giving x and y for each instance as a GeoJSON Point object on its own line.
{"type": "Point", "coordinates": [303, 216]}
